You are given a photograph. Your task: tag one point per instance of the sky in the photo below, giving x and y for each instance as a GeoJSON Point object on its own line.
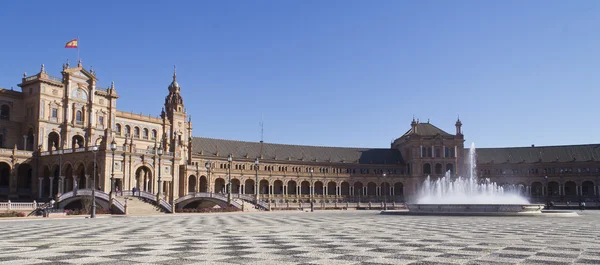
{"type": "Point", "coordinates": [331, 73]}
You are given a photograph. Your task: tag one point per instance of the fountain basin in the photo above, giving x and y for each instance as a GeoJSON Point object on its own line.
{"type": "Point", "coordinates": [475, 208]}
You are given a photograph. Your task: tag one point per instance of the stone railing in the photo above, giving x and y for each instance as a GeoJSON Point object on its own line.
{"type": "Point", "coordinates": [54, 78]}
{"type": "Point", "coordinates": [117, 204]}
{"type": "Point", "coordinates": [218, 196]}
{"type": "Point", "coordinates": [16, 206]}
{"type": "Point", "coordinates": [251, 199]}
{"type": "Point", "coordinates": [166, 206]}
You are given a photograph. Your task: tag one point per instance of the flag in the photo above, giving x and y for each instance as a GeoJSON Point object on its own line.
{"type": "Point", "coordinates": [72, 44]}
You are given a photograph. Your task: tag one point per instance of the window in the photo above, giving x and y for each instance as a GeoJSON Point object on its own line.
{"type": "Point", "coordinates": [136, 132]}
{"type": "Point", "coordinates": [153, 134]}
{"type": "Point", "coordinates": [438, 153]}
{"type": "Point", "coordinates": [79, 117]}
{"type": "Point", "coordinates": [118, 129]}
{"type": "Point", "coordinates": [101, 120]}
{"type": "Point", "coordinates": [145, 133]}
{"type": "Point", "coordinates": [127, 130]}
{"type": "Point", "coordinates": [54, 113]}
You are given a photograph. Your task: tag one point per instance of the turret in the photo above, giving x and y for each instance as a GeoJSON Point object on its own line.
{"type": "Point", "coordinates": [458, 127]}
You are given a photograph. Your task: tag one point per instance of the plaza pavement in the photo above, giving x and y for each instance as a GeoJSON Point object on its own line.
{"type": "Point", "coordinates": [323, 237]}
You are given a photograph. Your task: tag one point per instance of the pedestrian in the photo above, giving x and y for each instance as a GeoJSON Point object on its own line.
{"type": "Point", "coordinates": [568, 202]}
{"type": "Point", "coordinates": [133, 190]}
{"type": "Point", "coordinates": [582, 206]}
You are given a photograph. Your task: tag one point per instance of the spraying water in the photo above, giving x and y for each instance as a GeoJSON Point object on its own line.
{"type": "Point", "coordinates": [446, 190]}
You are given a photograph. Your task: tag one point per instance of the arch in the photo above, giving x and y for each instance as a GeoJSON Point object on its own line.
{"type": "Point", "coordinates": [77, 141]}
{"type": "Point", "coordinates": [136, 132]}
{"type": "Point", "coordinates": [305, 188]}
{"type": "Point", "coordinates": [331, 188]}
{"type": "Point", "coordinates": [118, 129]}
{"type": "Point", "coordinates": [399, 189]}
{"type": "Point", "coordinates": [358, 189]}
{"type": "Point", "coordinates": [371, 189]}
{"type": "Point", "coordinates": [154, 133]}
{"type": "Point", "coordinates": [385, 188]}
{"type": "Point", "coordinates": [145, 133]}
{"type": "Point", "coordinates": [536, 189]}
{"type": "Point", "coordinates": [570, 189]}
{"type": "Point", "coordinates": [318, 186]}
{"type": "Point", "coordinates": [278, 187]}
{"type": "Point", "coordinates": [438, 168]}
{"type": "Point", "coordinates": [263, 186]}
{"type": "Point", "coordinates": [127, 130]}
{"type": "Point", "coordinates": [587, 188]}
{"type": "Point", "coordinates": [426, 168]}
{"type": "Point", "coordinates": [69, 180]}
{"type": "Point", "coordinates": [450, 167]}
{"type": "Point", "coordinates": [203, 184]}
{"type": "Point", "coordinates": [4, 175]}
{"type": "Point", "coordinates": [292, 187]}
{"type": "Point", "coordinates": [53, 141]}
{"type": "Point", "coordinates": [192, 183]}
{"type": "Point", "coordinates": [249, 186]}
{"type": "Point", "coordinates": [79, 179]}
{"type": "Point", "coordinates": [4, 112]}
{"type": "Point", "coordinates": [553, 189]}
{"type": "Point", "coordinates": [235, 186]}
{"type": "Point", "coordinates": [144, 180]}
{"type": "Point", "coordinates": [345, 188]}
{"type": "Point", "coordinates": [220, 185]}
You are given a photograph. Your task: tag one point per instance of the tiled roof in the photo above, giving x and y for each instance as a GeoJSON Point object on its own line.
{"type": "Point", "coordinates": [427, 129]}
{"type": "Point", "coordinates": [565, 153]}
{"type": "Point", "coordinates": [284, 152]}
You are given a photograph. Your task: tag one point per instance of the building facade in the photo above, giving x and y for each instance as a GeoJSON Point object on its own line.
{"type": "Point", "coordinates": [56, 134]}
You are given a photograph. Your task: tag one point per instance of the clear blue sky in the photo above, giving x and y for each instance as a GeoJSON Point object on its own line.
{"type": "Point", "coordinates": [334, 73]}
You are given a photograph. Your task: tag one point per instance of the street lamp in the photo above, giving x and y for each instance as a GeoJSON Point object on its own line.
{"type": "Point", "coordinates": [93, 215]}
{"type": "Point", "coordinates": [385, 194]}
{"type": "Point", "coordinates": [312, 190]}
{"type": "Point", "coordinates": [60, 153]}
{"type": "Point", "coordinates": [159, 151]}
{"type": "Point", "coordinates": [256, 163]}
{"type": "Point", "coordinates": [207, 165]}
{"type": "Point", "coordinates": [229, 159]}
{"type": "Point", "coordinates": [113, 148]}
{"type": "Point", "coordinates": [547, 192]}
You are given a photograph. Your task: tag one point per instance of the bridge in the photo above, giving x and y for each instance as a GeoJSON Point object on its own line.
{"type": "Point", "coordinates": [150, 198]}
{"type": "Point", "coordinates": [102, 198]}
{"type": "Point", "coordinates": [219, 199]}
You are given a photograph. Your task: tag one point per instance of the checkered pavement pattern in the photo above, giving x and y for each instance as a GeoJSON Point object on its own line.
{"type": "Point", "coordinates": [322, 237]}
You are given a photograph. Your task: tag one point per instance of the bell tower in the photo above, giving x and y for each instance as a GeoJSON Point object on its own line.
{"type": "Point", "coordinates": [175, 125]}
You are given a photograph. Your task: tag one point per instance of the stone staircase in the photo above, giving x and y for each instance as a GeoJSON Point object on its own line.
{"type": "Point", "coordinates": [137, 206]}
{"type": "Point", "coordinates": [248, 207]}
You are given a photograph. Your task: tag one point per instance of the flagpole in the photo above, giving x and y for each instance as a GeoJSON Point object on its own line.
{"type": "Point", "coordinates": [78, 50]}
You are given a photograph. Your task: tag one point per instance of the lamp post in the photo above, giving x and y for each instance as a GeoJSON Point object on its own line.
{"type": "Point", "coordinates": [385, 194]}
{"type": "Point", "coordinates": [60, 153]}
{"type": "Point", "coordinates": [312, 189]}
{"type": "Point", "coordinates": [93, 215]}
{"type": "Point", "coordinates": [229, 159]}
{"type": "Point", "coordinates": [256, 164]}
{"type": "Point", "coordinates": [159, 151]}
{"type": "Point", "coordinates": [207, 165]}
{"type": "Point", "coordinates": [547, 192]}
{"type": "Point", "coordinates": [113, 148]}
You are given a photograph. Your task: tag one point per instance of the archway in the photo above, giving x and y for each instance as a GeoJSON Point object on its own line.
{"type": "Point", "coordinates": [4, 176]}
{"type": "Point", "coordinates": [291, 190]}
{"type": "Point", "coordinates": [192, 184]}
{"type": "Point", "coordinates": [371, 189]}
{"type": "Point", "coordinates": [438, 168]}
{"type": "Point", "coordinates": [385, 189]}
{"type": "Point", "coordinates": [331, 188]}
{"type": "Point", "coordinates": [249, 186]}
{"type": "Point", "coordinates": [77, 142]}
{"type": "Point", "coordinates": [318, 188]}
{"type": "Point", "coordinates": [53, 141]}
{"type": "Point", "coordinates": [399, 190]}
{"type": "Point", "coordinates": [278, 187]}
{"type": "Point", "coordinates": [264, 186]}
{"type": "Point", "coordinates": [570, 189]}
{"type": "Point", "coordinates": [587, 188]}
{"type": "Point", "coordinates": [79, 179]}
{"type": "Point", "coordinates": [450, 167]}
{"type": "Point", "coordinates": [426, 168]}
{"type": "Point", "coordinates": [220, 185]}
{"type": "Point", "coordinates": [358, 189]}
{"type": "Point", "coordinates": [46, 182]}
{"type": "Point", "coordinates": [144, 179]}
{"type": "Point", "coordinates": [553, 188]}
{"type": "Point", "coordinates": [235, 186]}
{"type": "Point", "coordinates": [203, 184]}
{"type": "Point", "coordinates": [536, 189]}
{"type": "Point", "coordinates": [305, 188]}
{"type": "Point", "coordinates": [345, 188]}
{"type": "Point", "coordinates": [68, 181]}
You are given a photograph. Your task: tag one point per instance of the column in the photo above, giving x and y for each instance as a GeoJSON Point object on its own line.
{"type": "Point", "coordinates": [392, 191]}
{"type": "Point", "coordinates": [197, 189]}
{"type": "Point", "coordinates": [61, 181]}
{"type": "Point", "coordinates": [577, 190]}
{"type": "Point", "coordinates": [325, 190]}
{"type": "Point", "coordinates": [40, 187]}
{"type": "Point", "coordinates": [351, 190]}
{"type": "Point", "coordinates": [87, 181]}
{"type": "Point", "coordinates": [51, 184]}
{"type": "Point", "coordinates": [242, 187]}
{"type": "Point", "coordinates": [24, 142]}
{"type": "Point", "coordinates": [365, 191]}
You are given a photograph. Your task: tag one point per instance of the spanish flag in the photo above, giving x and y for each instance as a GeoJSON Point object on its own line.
{"type": "Point", "coordinates": [72, 44]}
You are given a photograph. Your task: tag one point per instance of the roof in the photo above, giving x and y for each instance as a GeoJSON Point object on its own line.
{"type": "Point", "coordinates": [427, 129]}
{"type": "Point", "coordinates": [305, 153]}
{"type": "Point", "coordinates": [564, 153]}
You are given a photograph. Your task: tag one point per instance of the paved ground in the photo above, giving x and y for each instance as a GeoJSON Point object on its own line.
{"type": "Point", "coordinates": [328, 237]}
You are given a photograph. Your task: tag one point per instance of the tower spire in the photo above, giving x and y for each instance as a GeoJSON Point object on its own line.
{"type": "Point", "coordinates": [174, 72]}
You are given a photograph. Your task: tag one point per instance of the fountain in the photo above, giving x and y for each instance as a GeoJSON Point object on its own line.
{"type": "Point", "coordinates": [470, 196]}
